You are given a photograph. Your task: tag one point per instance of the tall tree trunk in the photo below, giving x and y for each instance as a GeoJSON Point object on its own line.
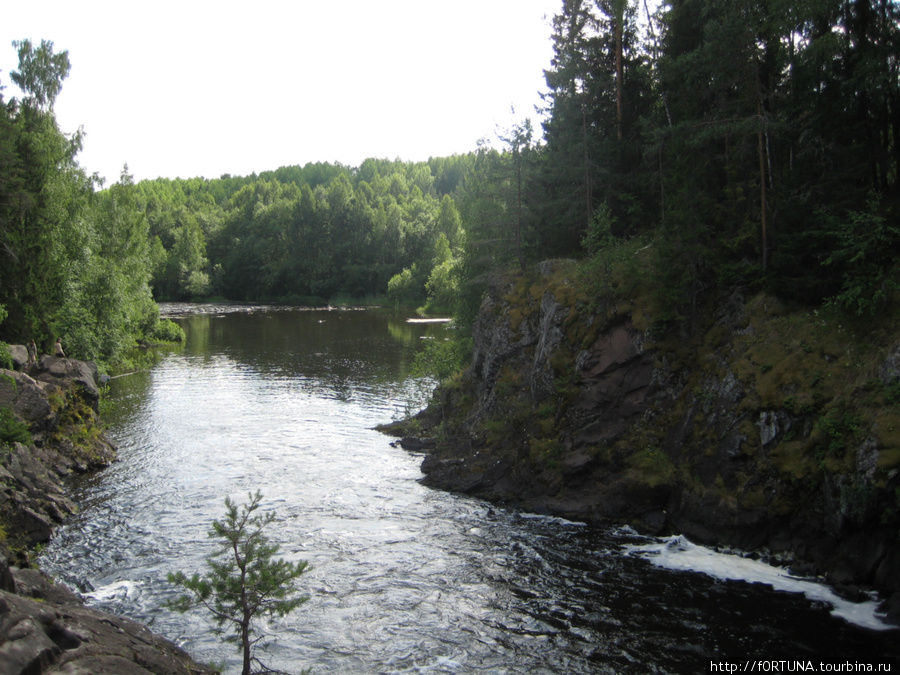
{"type": "Point", "coordinates": [761, 149]}
{"type": "Point", "coordinates": [518, 159]}
{"type": "Point", "coordinates": [588, 192]}
{"type": "Point", "coordinates": [618, 80]}
{"type": "Point", "coordinates": [620, 6]}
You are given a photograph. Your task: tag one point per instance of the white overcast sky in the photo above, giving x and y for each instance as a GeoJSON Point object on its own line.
{"type": "Point", "coordinates": [198, 88]}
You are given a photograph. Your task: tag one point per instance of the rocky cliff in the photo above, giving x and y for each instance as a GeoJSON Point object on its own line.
{"type": "Point", "coordinates": [49, 428]}
{"type": "Point", "coordinates": [758, 427]}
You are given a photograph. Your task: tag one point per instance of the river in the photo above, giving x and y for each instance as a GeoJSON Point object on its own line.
{"type": "Point", "coordinates": [404, 579]}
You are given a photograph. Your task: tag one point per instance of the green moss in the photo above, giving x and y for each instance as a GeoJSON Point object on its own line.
{"type": "Point", "coordinates": [575, 330]}
{"type": "Point", "coordinates": [794, 459]}
{"type": "Point", "coordinates": [889, 459]}
{"type": "Point", "coordinates": [651, 466]}
{"type": "Point", "coordinates": [887, 427]}
{"type": "Point", "coordinates": [542, 450]}
{"type": "Point", "coordinates": [755, 499]}
{"type": "Point", "coordinates": [508, 382]}
{"type": "Point", "coordinates": [716, 337]}
{"type": "Point", "coordinates": [12, 429]}
{"type": "Point", "coordinates": [562, 362]}
{"type": "Point", "coordinates": [79, 429]}
{"type": "Point", "coordinates": [842, 428]}
{"type": "Point", "coordinates": [516, 316]}
{"type": "Point", "coordinates": [782, 506]}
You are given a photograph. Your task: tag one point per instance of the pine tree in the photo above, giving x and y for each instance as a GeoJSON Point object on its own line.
{"type": "Point", "coordinates": [246, 582]}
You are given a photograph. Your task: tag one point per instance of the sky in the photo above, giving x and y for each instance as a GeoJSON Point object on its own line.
{"type": "Point", "coordinates": [198, 88]}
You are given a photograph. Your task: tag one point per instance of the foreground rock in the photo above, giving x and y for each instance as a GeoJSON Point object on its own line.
{"type": "Point", "coordinates": [44, 627]}
{"type": "Point", "coordinates": [757, 428]}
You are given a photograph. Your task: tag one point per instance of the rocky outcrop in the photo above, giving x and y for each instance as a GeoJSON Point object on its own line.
{"type": "Point", "coordinates": [762, 428]}
{"type": "Point", "coordinates": [57, 401]}
{"type": "Point", "coordinates": [44, 628]}
{"type": "Point", "coordinates": [51, 429]}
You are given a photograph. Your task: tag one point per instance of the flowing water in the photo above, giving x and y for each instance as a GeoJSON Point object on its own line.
{"type": "Point", "coordinates": [404, 579]}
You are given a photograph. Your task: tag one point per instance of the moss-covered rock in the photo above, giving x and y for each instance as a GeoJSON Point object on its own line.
{"type": "Point", "coordinates": [44, 627]}
{"type": "Point", "coordinates": [758, 425]}
{"type": "Point", "coordinates": [57, 404]}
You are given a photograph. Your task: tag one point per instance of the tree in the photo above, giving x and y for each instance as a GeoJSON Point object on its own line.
{"type": "Point", "coordinates": [518, 144]}
{"type": "Point", "coordinates": [246, 582]}
{"type": "Point", "coordinates": [41, 72]}
{"type": "Point", "coordinates": [44, 198]}
{"type": "Point", "coordinates": [618, 11]}
{"type": "Point", "coordinates": [599, 94]}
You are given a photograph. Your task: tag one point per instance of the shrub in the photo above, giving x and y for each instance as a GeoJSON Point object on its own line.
{"type": "Point", "coordinates": [12, 429]}
{"type": "Point", "coordinates": [442, 358]}
{"type": "Point", "coordinates": [864, 255]}
{"type": "Point", "coordinates": [168, 331]}
{"type": "Point", "coordinates": [6, 360]}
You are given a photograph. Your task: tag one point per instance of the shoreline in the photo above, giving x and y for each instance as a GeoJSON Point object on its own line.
{"type": "Point", "coordinates": [45, 626]}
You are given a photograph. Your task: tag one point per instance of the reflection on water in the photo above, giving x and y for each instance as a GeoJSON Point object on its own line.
{"type": "Point", "coordinates": [404, 579]}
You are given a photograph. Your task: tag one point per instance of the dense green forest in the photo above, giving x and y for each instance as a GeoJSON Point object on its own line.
{"type": "Point", "coordinates": [734, 142]}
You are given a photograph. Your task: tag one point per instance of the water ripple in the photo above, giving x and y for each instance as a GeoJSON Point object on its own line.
{"type": "Point", "coordinates": [403, 579]}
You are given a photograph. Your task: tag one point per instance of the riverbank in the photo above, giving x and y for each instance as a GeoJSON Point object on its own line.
{"type": "Point", "coordinates": [768, 429]}
{"type": "Point", "coordinates": [51, 429]}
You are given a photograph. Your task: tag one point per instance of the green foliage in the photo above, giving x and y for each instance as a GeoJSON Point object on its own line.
{"type": "Point", "coordinates": [318, 231]}
{"type": "Point", "coordinates": [865, 253]}
{"type": "Point", "coordinates": [73, 262]}
{"type": "Point", "coordinates": [842, 428]}
{"type": "Point", "coordinates": [405, 287]}
{"type": "Point", "coordinates": [41, 72]}
{"type": "Point", "coordinates": [442, 287]}
{"type": "Point", "coordinates": [168, 331]}
{"type": "Point", "coordinates": [443, 281]}
{"type": "Point", "coordinates": [6, 360]}
{"type": "Point", "coordinates": [600, 231]}
{"type": "Point", "coordinates": [12, 429]}
{"type": "Point", "coordinates": [441, 359]}
{"type": "Point", "coordinates": [714, 134]}
{"type": "Point", "coordinates": [246, 583]}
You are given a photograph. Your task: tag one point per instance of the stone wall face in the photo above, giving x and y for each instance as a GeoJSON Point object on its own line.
{"type": "Point", "coordinates": [749, 432]}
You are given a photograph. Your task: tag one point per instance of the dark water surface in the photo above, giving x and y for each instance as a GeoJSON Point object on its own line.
{"type": "Point", "coordinates": [404, 579]}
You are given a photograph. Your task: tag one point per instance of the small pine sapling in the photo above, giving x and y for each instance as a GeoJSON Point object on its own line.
{"type": "Point", "coordinates": [245, 582]}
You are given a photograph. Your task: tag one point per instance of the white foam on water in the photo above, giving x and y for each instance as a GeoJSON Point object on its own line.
{"type": "Point", "coordinates": [441, 663]}
{"type": "Point", "coordinates": [555, 520]}
{"type": "Point", "coordinates": [677, 553]}
{"type": "Point", "coordinates": [117, 590]}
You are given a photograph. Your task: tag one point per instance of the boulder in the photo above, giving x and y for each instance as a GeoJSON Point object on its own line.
{"type": "Point", "coordinates": [45, 629]}
{"type": "Point", "coordinates": [63, 372]}
{"type": "Point", "coordinates": [19, 354]}
{"type": "Point", "coordinates": [32, 500]}
{"type": "Point", "coordinates": [27, 398]}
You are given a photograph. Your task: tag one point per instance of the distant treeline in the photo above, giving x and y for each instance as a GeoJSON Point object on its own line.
{"type": "Point", "coordinates": [739, 142]}
{"type": "Point", "coordinates": [310, 234]}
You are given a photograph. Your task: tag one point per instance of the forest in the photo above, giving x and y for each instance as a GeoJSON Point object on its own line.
{"type": "Point", "coordinates": [737, 143]}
